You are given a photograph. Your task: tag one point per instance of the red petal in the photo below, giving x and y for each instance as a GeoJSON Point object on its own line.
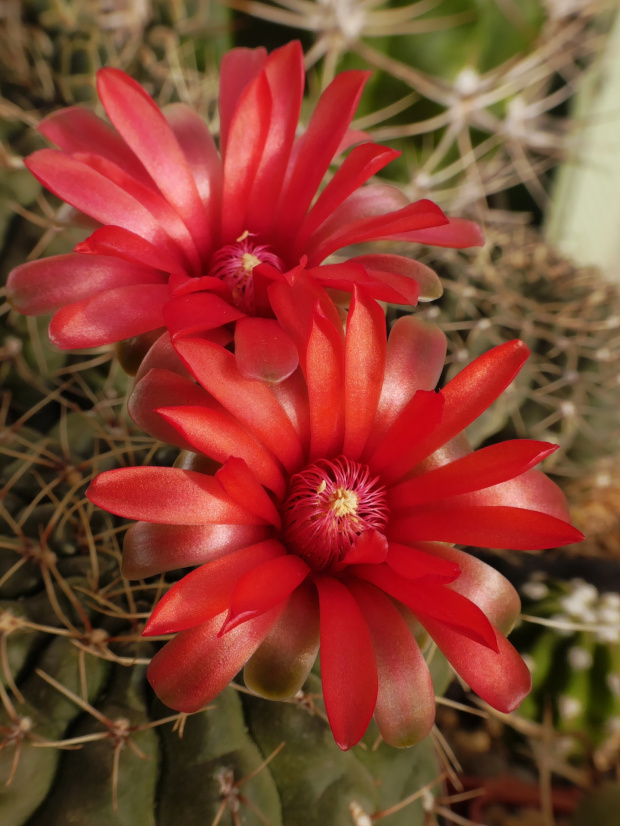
{"type": "Point", "coordinates": [238, 68]}
{"type": "Point", "coordinates": [206, 592]}
{"type": "Point", "coordinates": [414, 360]}
{"type": "Point", "coordinates": [243, 487]}
{"type": "Point", "coordinates": [362, 163]}
{"type": "Point", "coordinates": [348, 665]}
{"type": "Point", "coordinates": [161, 355]}
{"type": "Point", "coordinates": [480, 583]}
{"type": "Point", "coordinates": [293, 396]}
{"type": "Point", "coordinates": [473, 390]}
{"type": "Point", "coordinates": [76, 129]}
{"type": "Point", "coordinates": [423, 280]}
{"type": "Point", "coordinates": [264, 351]}
{"type": "Point", "coordinates": [405, 709]}
{"type": "Point", "coordinates": [484, 526]}
{"type": "Point", "coordinates": [397, 452]}
{"type": "Point", "coordinates": [458, 233]}
{"type": "Point", "coordinates": [169, 495]}
{"type": "Point", "coordinates": [219, 435]}
{"type": "Point", "coordinates": [245, 143]}
{"type": "Point", "coordinates": [109, 316]}
{"type": "Point", "coordinates": [323, 369]}
{"type": "Point", "coordinates": [371, 546]}
{"type": "Point", "coordinates": [281, 664]}
{"type": "Point", "coordinates": [379, 285]}
{"type": "Point", "coordinates": [263, 588]}
{"type": "Point", "coordinates": [414, 563]}
{"type": "Point", "coordinates": [147, 132]}
{"type": "Point", "coordinates": [42, 286]}
{"type": "Point", "coordinates": [251, 402]}
{"type": "Point", "coordinates": [198, 312]}
{"type": "Point", "coordinates": [365, 347]}
{"type": "Point", "coordinates": [150, 549]}
{"type": "Point", "coordinates": [427, 599]}
{"type": "Point", "coordinates": [285, 74]}
{"type": "Point", "coordinates": [196, 665]}
{"type": "Point", "coordinates": [500, 677]}
{"type": "Point", "coordinates": [317, 147]}
{"type": "Point", "coordinates": [486, 467]}
{"type": "Point", "coordinates": [126, 245]}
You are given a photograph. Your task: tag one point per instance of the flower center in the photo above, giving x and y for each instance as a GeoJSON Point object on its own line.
{"type": "Point", "coordinates": [234, 264]}
{"type": "Point", "coordinates": [329, 505]}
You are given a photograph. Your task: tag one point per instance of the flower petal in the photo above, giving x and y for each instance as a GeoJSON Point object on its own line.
{"type": "Point", "coordinates": [213, 431]}
{"type": "Point", "coordinates": [263, 588]}
{"type": "Point", "coordinates": [499, 676]}
{"type": "Point", "coordinates": [126, 245]}
{"type": "Point", "coordinates": [405, 709]}
{"type": "Point", "coordinates": [458, 233]}
{"type": "Point", "coordinates": [426, 280]}
{"type": "Point", "coordinates": [365, 347]}
{"type": "Point", "coordinates": [415, 357]}
{"type": "Point", "coordinates": [196, 665]}
{"type": "Point", "coordinates": [264, 351]}
{"type": "Point", "coordinates": [206, 592]}
{"type": "Point", "coordinates": [282, 662]}
{"type": "Point", "coordinates": [371, 546]}
{"type": "Point", "coordinates": [147, 132]}
{"type": "Point", "coordinates": [483, 526]}
{"type": "Point", "coordinates": [243, 487]}
{"type": "Point", "coordinates": [415, 563]}
{"type": "Point", "coordinates": [481, 469]}
{"type": "Point", "coordinates": [251, 402]}
{"type": "Point", "coordinates": [347, 659]}
{"type": "Point", "coordinates": [109, 316]}
{"type": "Point", "coordinates": [150, 549]}
{"type": "Point", "coordinates": [42, 286]}
{"type": "Point", "coordinates": [169, 495]}
{"type": "Point", "coordinates": [197, 313]}
{"type": "Point", "coordinates": [323, 366]}
{"type": "Point", "coordinates": [238, 68]}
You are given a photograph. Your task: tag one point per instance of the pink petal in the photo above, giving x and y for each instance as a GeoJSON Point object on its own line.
{"type": "Point", "coordinates": [317, 147]}
{"type": "Point", "coordinates": [484, 527]}
{"type": "Point", "coordinates": [397, 453]}
{"type": "Point", "coordinates": [426, 280]}
{"type": "Point", "coordinates": [365, 347]}
{"type": "Point", "coordinates": [263, 588]}
{"type": "Point", "coordinates": [458, 233]}
{"type": "Point", "coordinates": [324, 372]}
{"type": "Point", "coordinates": [147, 132]}
{"type": "Point", "coordinates": [109, 316]}
{"type": "Point", "coordinates": [281, 664]}
{"type": "Point", "coordinates": [500, 677]}
{"type": "Point", "coordinates": [264, 351]}
{"type": "Point", "coordinates": [348, 665]}
{"type": "Point", "coordinates": [405, 709]}
{"type": "Point", "coordinates": [245, 144]}
{"type": "Point", "coordinates": [206, 592]}
{"type": "Point", "coordinates": [196, 313]}
{"type": "Point", "coordinates": [76, 129]}
{"type": "Point", "coordinates": [201, 154]}
{"type": "Point", "coordinates": [219, 435]}
{"type": "Point", "coordinates": [285, 74]}
{"type": "Point", "coordinates": [238, 69]}
{"type": "Point", "coordinates": [482, 469]}
{"type": "Point", "coordinates": [362, 163]}
{"type": "Point", "coordinates": [126, 245]}
{"type": "Point", "coordinates": [414, 360]}
{"type": "Point", "coordinates": [481, 584]}
{"type": "Point", "coordinates": [473, 390]}
{"type": "Point", "coordinates": [415, 563]}
{"type": "Point", "coordinates": [427, 599]}
{"type": "Point", "coordinates": [42, 286]}
{"type": "Point", "coordinates": [150, 549]}
{"type": "Point", "coordinates": [243, 487]}
{"type": "Point", "coordinates": [419, 215]}
{"type": "Point", "coordinates": [161, 388]}
{"type": "Point", "coordinates": [252, 402]}
{"type": "Point", "coordinates": [196, 665]}
{"type": "Point", "coordinates": [169, 495]}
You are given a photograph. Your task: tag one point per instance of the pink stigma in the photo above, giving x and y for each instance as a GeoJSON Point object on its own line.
{"type": "Point", "coordinates": [234, 263]}
{"type": "Point", "coordinates": [329, 505]}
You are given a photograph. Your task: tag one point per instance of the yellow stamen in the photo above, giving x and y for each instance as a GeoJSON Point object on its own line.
{"type": "Point", "coordinates": [249, 261]}
{"type": "Point", "coordinates": [343, 502]}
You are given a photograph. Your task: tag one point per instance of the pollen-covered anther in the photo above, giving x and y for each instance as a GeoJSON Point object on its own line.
{"type": "Point", "coordinates": [234, 264]}
{"type": "Point", "coordinates": [329, 505]}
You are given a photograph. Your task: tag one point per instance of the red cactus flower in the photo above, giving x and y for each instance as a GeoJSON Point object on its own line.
{"type": "Point", "coordinates": [328, 520]}
{"type": "Point", "coordinates": [180, 218]}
